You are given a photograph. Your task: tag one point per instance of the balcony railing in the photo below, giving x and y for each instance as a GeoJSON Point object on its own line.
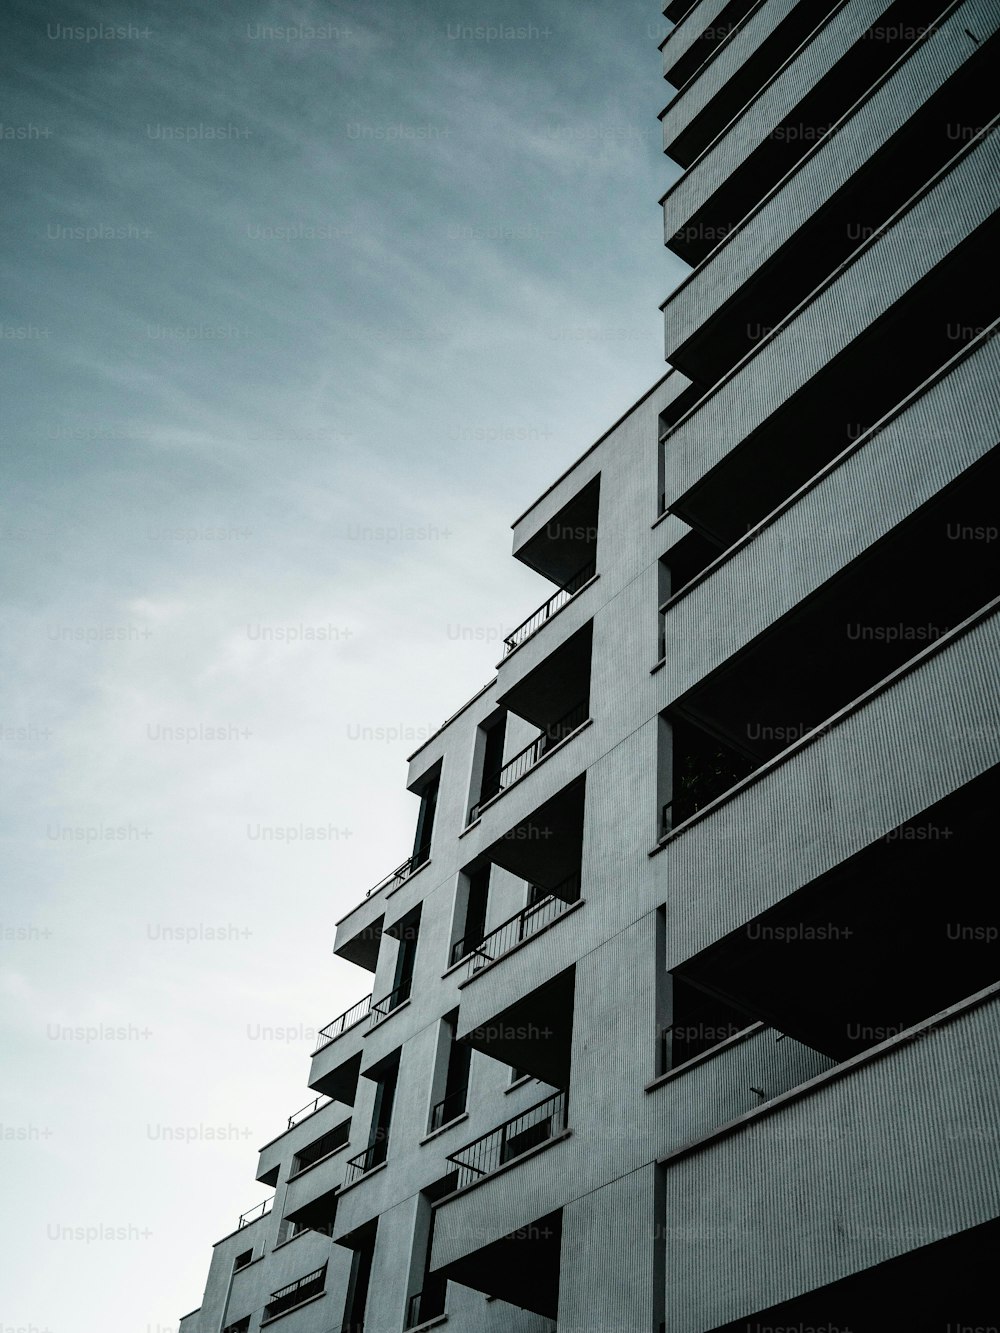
{"type": "Point", "coordinates": [555, 603]}
{"type": "Point", "coordinates": [423, 1306]}
{"type": "Point", "coordinates": [698, 789]}
{"type": "Point", "coordinates": [384, 1007]}
{"type": "Point", "coordinates": [255, 1214]}
{"type": "Point", "coordinates": [298, 1116]}
{"type": "Point", "coordinates": [286, 1298]}
{"type": "Point", "coordinates": [374, 1155]}
{"type": "Point", "coordinates": [448, 1108]}
{"type": "Point", "coordinates": [346, 1020]}
{"type": "Point", "coordinates": [526, 1131]}
{"type": "Point", "coordinates": [519, 927]}
{"type": "Point", "coordinates": [498, 781]}
{"type": "Point", "coordinates": [409, 867]}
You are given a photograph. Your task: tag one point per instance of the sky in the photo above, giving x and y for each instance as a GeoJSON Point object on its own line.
{"type": "Point", "coordinates": [303, 305]}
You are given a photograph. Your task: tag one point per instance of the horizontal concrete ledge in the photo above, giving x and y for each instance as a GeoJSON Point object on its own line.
{"type": "Point", "coordinates": [518, 1083]}
{"type": "Point", "coordinates": [734, 1040]}
{"type": "Point", "coordinates": [429, 1323]}
{"type": "Point", "coordinates": [521, 943]}
{"type": "Point", "coordinates": [548, 621]}
{"type": "Point", "coordinates": [443, 1129]}
{"type": "Point", "coordinates": [318, 1162]}
{"type": "Point", "coordinates": [361, 1179]}
{"type": "Point", "coordinates": [838, 1071]}
{"type": "Point", "coordinates": [265, 1323]}
{"type": "Point", "coordinates": [514, 1161]}
{"type": "Point", "coordinates": [488, 805]}
{"type": "Point", "coordinates": [914, 663]}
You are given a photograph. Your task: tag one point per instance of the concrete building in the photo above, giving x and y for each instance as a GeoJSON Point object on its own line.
{"type": "Point", "coordinates": [684, 1012]}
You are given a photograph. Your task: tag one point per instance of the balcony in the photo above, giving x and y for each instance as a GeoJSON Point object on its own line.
{"type": "Point", "coordinates": [296, 1293]}
{"type": "Point", "coordinates": [348, 1019]}
{"type": "Point", "coordinates": [487, 1154]}
{"type": "Point", "coordinates": [366, 1162]}
{"type": "Point", "coordinates": [514, 769]}
{"type": "Point", "coordinates": [521, 926]}
{"type": "Point", "coordinates": [840, 1155]}
{"type": "Point", "coordinates": [576, 583]}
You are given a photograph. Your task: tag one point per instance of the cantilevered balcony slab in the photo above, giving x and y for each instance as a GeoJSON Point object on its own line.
{"type": "Point", "coordinates": [307, 1124]}
{"type": "Point", "coordinates": [736, 70]}
{"type": "Point", "coordinates": [253, 1287]}
{"type": "Point", "coordinates": [696, 309]}
{"type": "Point", "coordinates": [789, 372]}
{"type": "Point", "coordinates": [880, 480]}
{"type": "Point", "coordinates": [514, 1210]}
{"type": "Point", "coordinates": [698, 35]}
{"type": "Point", "coordinates": [774, 103]}
{"type": "Point", "coordinates": [882, 1155]}
{"type": "Point", "coordinates": [926, 730]}
{"type": "Point", "coordinates": [311, 1195]}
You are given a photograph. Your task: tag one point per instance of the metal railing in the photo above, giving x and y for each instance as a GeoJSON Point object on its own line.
{"type": "Point", "coordinates": [384, 1007]}
{"type": "Point", "coordinates": [555, 603]}
{"type": "Point", "coordinates": [374, 1155]}
{"type": "Point", "coordinates": [448, 1108]}
{"type": "Point", "coordinates": [516, 1136]}
{"type": "Point", "coordinates": [286, 1298]}
{"type": "Point", "coordinates": [526, 759]}
{"type": "Point", "coordinates": [424, 1305]}
{"type": "Point", "coordinates": [409, 867]}
{"type": "Point", "coordinates": [305, 1112]}
{"type": "Point", "coordinates": [344, 1021]}
{"type": "Point", "coordinates": [695, 791]}
{"type": "Point", "coordinates": [522, 925]}
{"type": "Point", "coordinates": [255, 1214]}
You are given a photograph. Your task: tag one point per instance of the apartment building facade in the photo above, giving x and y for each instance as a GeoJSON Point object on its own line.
{"type": "Point", "coordinates": [684, 1013]}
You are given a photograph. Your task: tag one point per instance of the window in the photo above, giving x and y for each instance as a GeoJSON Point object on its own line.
{"type": "Point", "coordinates": [457, 1058]}
{"type": "Point", "coordinates": [241, 1326]}
{"type": "Point", "coordinates": [428, 793]}
{"type": "Point", "coordinates": [242, 1260]}
{"type": "Point", "coordinates": [476, 887]}
{"type": "Point", "coordinates": [356, 1301]}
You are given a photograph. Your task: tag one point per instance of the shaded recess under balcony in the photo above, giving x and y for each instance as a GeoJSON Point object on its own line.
{"type": "Point", "coordinates": [948, 1285]}
{"type": "Point", "coordinates": [892, 358]}
{"type": "Point", "coordinates": [534, 1034]}
{"type": "Point", "coordinates": [521, 1268]}
{"type": "Point", "coordinates": [555, 698]}
{"type": "Point", "coordinates": [545, 849]}
{"type": "Point", "coordinates": [880, 186]}
{"type": "Point", "coordinates": [830, 97]}
{"type": "Point", "coordinates": [568, 541]}
{"type": "Point", "coordinates": [894, 934]}
{"type": "Point", "coordinates": [923, 578]}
